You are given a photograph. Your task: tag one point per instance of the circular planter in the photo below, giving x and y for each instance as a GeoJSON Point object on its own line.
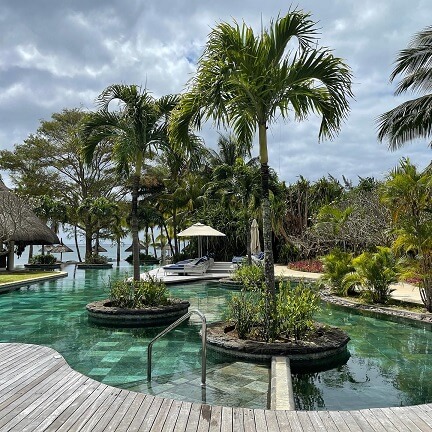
{"type": "Point", "coordinates": [94, 266]}
{"type": "Point", "coordinates": [326, 348]}
{"type": "Point", "coordinates": [103, 313]}
{"type": "Point", "coordinates": [42, 266]}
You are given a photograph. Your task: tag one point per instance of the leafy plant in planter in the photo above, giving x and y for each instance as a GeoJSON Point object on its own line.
{"type": "Point", "coordinates": [138, 294]}
{"type": "Point", "coordinates": [292, 317]}
{"type": "Point", "coordinates": [43, 259]}
{"type": "Point", "coordinates": [96, 259]}
{"type": "Point", "coordinates": [143, 258]}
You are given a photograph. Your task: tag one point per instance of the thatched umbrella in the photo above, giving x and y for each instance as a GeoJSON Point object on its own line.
{"type": "Point", "coordinates": [99, 249]}
{"type": "Point", "coordinates": [18, 224]}
{"type": "Point", "coordinates": [61, 249]}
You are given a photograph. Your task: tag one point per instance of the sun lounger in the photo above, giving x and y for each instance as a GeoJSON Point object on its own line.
{"type": "Point", "coordinates": [196, 266]}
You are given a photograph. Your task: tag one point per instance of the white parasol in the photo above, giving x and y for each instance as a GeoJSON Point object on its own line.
{"type": "Point", "coordinates": [200, 230]}
{"type": "Point", "coordinates": [255, 242]}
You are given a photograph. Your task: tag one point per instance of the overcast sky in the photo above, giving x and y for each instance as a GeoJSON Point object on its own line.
{"type": "Point", "coordinates": [62, 54]}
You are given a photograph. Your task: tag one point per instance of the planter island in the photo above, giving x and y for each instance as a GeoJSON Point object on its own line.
{"type": "Point", "coordinates": [104, 313]}
{"type": "Point", "coordinates": [94, 266]}
{"type": "Point", "coordinates": [325, 347]}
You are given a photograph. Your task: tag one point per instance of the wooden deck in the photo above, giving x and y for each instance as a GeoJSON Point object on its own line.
{"type": "Point", "coordinates": [40, 392]}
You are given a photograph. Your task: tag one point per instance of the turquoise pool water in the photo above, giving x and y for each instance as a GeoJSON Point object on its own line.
{"type": "Point", "coordinates": [390, 363]}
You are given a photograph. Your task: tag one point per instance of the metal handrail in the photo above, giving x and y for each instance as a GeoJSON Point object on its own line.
{"type": "Point", "coordinates": [171, 327]}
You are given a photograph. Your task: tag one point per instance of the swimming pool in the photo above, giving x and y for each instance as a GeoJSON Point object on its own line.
{"type": "Point", "coordinates": [390, 363]}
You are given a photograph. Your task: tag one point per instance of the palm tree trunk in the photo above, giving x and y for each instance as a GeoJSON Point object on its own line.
{"type": "Point", "coordinates": [76, 243]}
{"type": "Point", "coordinates": [134, 227]}
{"type": "Point", "coordinates": [267, 234]}
{"type": "Point", "coordinates": [153, 241]}
{"type": "Point", "coordinates": [118, 250]}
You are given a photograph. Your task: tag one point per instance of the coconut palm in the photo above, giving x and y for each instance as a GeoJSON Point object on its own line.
{"type": "Point", "coordinates": [411, 119]}
{"type": "Point", "coordinates": [247, 81]}
{"type": "Point", "coordinates": [136, 129]}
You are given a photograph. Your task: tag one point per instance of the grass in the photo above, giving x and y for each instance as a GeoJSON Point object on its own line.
{"type": "Point", "coordinates": [18, 276]}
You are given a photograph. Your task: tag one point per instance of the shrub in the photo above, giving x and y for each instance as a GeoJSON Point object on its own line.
{"type": "Point", "coordinates": [336, 265]}
{"type": "Point", "coordinates": [138, 294]}
{"type": "Point", "coordinates": [251, 276]}
{"type": "Point", "coordinates": [43, 259]}
{"type": "Point", "coordinates": [374, 272]}
{"type": "Point", "coordinates": [96, 259]}
{"type": "Point", "coordinates": [243, 309]}
{"type": "Point", "coordinates": [295, 309]}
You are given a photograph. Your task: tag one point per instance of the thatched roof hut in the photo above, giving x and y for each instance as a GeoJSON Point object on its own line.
{"type": "Point", "coordinates": [19, 224]}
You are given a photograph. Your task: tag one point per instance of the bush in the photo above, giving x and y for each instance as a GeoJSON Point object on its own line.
{"type": "Point", "coordinates": [295, 309]}
{"type": "Point", "coordinates": [313, 266]}
{"type": "Point", "coordinates": [138, 294]}
{"type": "Point", "coordinates": [336, 265]}
{"type": "Point", "coordinates": [292, 315]}
{"type": "Point", "coordinates": [43, 259]}
{"type": "Point", "coordinates": [96, 259]}
{"type": "Point", "coordinates": [374, 272]}
{"type": "Point", "coordinates": [143, 258]}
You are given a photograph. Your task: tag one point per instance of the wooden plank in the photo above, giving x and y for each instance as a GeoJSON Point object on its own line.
{"type": "Point", "coordinates": [147, 421]}
{"type": "Point", "coordinates": [366, 423]}
{"type": "Point", "coordinates": [410, 419]}
{"type": "Point", "coordinates": [260, 419]}
{"type": "Point", "coordinates": [272, 423]}
{"type": "Point", "coordinates": [238, 421]}
{"type": "Point", "coordinates": [183, 417]}
{"type": "Point", "coordinates": [283, 422]}
{"type": "Point", "coordinates": [193, 419]}
{"type": "Point", "coordinates": [204, 419]}
{"type": "Point", "coordinates": [120, 413]}
{"type": "Point", "coordinates": [339, 421]}
{"type": "Point", "coordinates": [40, 399]}
{"type": "Point", "coordinates": [171, 420]}
{"type": "Point", "coordinates": [327, 420]}
{"type": "Point", "coordinates": [139, 404]}
{"type": "Point", "coordinates": [107, 409]}
{"type": "Point", "coordinates": [227, 419]}
{"type": "Point", "coordinates": [398, 423]}
{"type": "Point", "coordinates": [293, 420]}
{"type": "Point", "coordinates": [249, 420]}
{"type": "Point", "coordinates": [383, 419]}
{"type": "Point", "coordinates": [304, 420]}
{"type": "Point", "coordinates": [62, 409]}
{"type": "Point", "coordinates": [316, 421]}
{"type": "Point", "coordinates": [216, 419]}
{"type": "Point", "coordinates": [350, 421]}
{"type": "Point", "coordinates": [161, 416]}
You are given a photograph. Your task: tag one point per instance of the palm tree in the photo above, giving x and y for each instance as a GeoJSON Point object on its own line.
{"type": "Point", "coordinates": [247, 81]}
{"type": "Point", "coordinates": [136, 129]}
{"type": "Point", "coordinates": [408, 195]}
{"type": "Point", "coordinates": [411, 119]}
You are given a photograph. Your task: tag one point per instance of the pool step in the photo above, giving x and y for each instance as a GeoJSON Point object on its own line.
{"type": "Point", "coordinates": [281, 389]}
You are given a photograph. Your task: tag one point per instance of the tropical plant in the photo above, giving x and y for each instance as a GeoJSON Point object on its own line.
{"type": "Point", "coordinates": [135, 130]}
{"type": "Point", "coordinates": [373, 274]}
{"type": "Point", "coordinates": [412, 119]}
{"type": "Point", "coordinates": [250, 276]}
{"type": "Point", "coordinates": [138, 294]}
{"type": "Point", "coordinates": [248, 81]}
{"type": "Point", "coordinates": [95, 258]}
{"type": "Point", "coordinates": [407, 193]}
{"type": "Point", "coordinates": [43, 259]}
{"type": "Point", "coordinates": [337, 264]}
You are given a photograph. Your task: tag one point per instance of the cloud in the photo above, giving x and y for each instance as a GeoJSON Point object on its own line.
{"type": "Point", "coordinates": [56, 55]}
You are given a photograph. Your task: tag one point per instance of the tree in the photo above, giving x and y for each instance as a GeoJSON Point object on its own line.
{"type": "Point", "coordinates": [408, 195]}
{"type": "Point", "coordinates": [49, 164]}
{"type": "Point", "coordinates": [136, 129]}
{"type": "Point", "coordinates": [247, 81]}
{"type": "Point", "coordinates": [411, 119]}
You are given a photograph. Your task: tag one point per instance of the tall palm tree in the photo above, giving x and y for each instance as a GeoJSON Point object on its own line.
{"type": "Point", "coordinates": [411, 119]}
{"type": "Point", "coordinates": [136, 129]}
{"type": "Point", "coordinates": [247, 81]}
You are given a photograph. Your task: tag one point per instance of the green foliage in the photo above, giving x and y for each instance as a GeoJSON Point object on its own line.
{"type": "Point", "coordinates": [138, 294]}
{"type": "Point", "coordinates": [251, 276]}
{"type": "Point", "coordinates": [337, 264]}
{"type": "Point", "coordinates": [95, 258]}
{"type": "Point", "coordinates": [374, 272]}
{"type": "Point", "coordinates": [292, 317]}
{"type": "Point", "coordinates": [296, 306]}
{"type": "Point", "coordinates": [143, 258]}
{"type": "Point", "coordinates": [43, 259]}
